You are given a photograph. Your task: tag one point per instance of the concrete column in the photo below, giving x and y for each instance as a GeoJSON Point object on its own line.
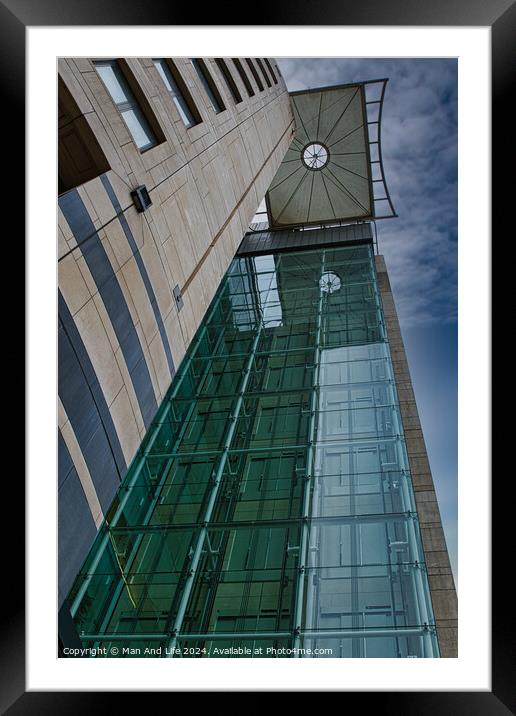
{"type": "Point", "coordinates": [440, 577]}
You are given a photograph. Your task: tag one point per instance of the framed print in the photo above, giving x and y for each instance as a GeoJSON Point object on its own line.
{"type": "Point", "coordinates": [242, 469]}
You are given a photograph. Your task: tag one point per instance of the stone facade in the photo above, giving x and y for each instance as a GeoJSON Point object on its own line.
{"type": "Point", "coordinates": [440, 577]}
{"type": "Point", "coordinates": [122, 331]}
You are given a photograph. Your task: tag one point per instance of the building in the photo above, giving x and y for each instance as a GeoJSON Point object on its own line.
{"type": "Point", "coordinates": [241, 465]}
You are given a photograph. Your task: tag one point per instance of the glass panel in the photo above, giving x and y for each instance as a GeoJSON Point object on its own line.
{"type": "Point", "coordinates": [111, 76]}
{"type": "Point", "coordinates": [209, 85]}
{"type": "Point", "coordinates": [138, 127]}
{"type": "Point", "coordinates": [230, 83]}
{"type": "Point", "coordinates": [270, 510]}
{"type": "Point", "coordinates": [245, 582]}
{"type": "Point", "coordinates": [380, 647]}
{"type": "Point", "coordinates": [179, 101]}
{"type": "Point", "coordinates": [243, 76]}
{"type": "Point", "coordinates": [117, 86]}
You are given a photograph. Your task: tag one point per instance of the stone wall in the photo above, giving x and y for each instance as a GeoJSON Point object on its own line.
{"type": "Point", "coordinates": [440, 577]}
{"type": "Point", "coordinates": [122, 333]}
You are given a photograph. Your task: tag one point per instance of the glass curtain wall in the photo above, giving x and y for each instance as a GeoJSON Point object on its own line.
{"type": "Point", "coordinates": [270, 511]}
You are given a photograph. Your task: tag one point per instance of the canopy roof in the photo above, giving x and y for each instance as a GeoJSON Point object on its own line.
{"type": "Point", "coordinates": [326, 173]}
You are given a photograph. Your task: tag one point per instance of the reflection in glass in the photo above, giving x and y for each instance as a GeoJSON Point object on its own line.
{"type": "Point", "coordinates": [177, 95]}
{"type": "Point", "coordinates": [270, 507]}
{"type": "Point", "coordinates": [122, 95]}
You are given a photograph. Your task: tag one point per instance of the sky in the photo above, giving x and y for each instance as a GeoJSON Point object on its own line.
{"type": "Point", "coordinates": [419, 147]}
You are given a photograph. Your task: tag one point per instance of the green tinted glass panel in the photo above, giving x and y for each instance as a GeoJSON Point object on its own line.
{"type": "Point", "coordinates": [269, 511]}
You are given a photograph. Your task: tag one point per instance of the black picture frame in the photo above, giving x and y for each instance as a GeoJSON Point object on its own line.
{"type": "Point", "coordinates": [500, 15]}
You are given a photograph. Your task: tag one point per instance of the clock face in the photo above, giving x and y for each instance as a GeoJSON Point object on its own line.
{"type": "Point", "coordinates": [315, 156]}
{"type": "Point", "coordinates": [329, 282]}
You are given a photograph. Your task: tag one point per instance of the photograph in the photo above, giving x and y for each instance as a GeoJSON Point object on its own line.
{"type": "Point", "coordinates": [257, 357]}
{"type": "Point", "coordinates": [258, 354]}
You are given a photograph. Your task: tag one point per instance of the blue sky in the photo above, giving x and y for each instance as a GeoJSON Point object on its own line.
{"type": "Point", "coordinates": [419, 144]}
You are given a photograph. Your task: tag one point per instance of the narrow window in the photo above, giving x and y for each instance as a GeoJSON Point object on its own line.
{"type": "Point", "coordinates": [80, 157]}
{"type": "Point", "coordinates": [264, 73]}
{"type": "Point", "coordinates": [275, 79]}
{"type": "Point", "coordinates": [178, 91]}
{"type": "Point", "coordinates": [230, 82]}
{"type": "Point", "coordinates": [115, 81]}
{"type": "Point", "coordinates": [209, 85]}
{"type": "Point", "coordinates": [244, 77]}
{"type": "Point", "coordinates": [254, 73]}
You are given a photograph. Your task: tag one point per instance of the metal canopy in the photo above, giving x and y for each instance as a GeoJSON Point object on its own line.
{"type": "Point", "coordinates": [326, 175]}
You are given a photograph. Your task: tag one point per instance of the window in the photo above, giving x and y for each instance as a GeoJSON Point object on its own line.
{"type": "Point", "coordinates": [254, 74]}
{"type": "Point", "coordinates": [209, 85]}
{"type": "Point", "coordinates": [264, 73]}
{"type": "Point", "coordinates": [80, 157]}
{"type": "Point", "coordinates": [116, 82]}
{"type": "Point", "coordinates": [230, 82]}
{"type": "Point", "coordinates": [244, 77]}
{"type": "Point", "coordinates": [178, 91]}
{"type": "Point", "coordinates": [275, 79]}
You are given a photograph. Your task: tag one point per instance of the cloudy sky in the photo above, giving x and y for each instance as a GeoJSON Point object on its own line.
{"type": "Point", "coordinates": [419, 145]}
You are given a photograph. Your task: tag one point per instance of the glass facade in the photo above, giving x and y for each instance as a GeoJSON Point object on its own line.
{"type": "Point", "coordinates": [269, 512]}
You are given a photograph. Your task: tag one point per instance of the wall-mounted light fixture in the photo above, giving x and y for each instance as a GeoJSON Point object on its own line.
{"type": "Point", "coordinates": [141, 198]}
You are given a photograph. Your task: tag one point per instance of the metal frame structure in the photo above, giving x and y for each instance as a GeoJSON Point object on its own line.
{"type": "Point", "coordinates": [378, 143]}
{"type": "Point", "coordinates": [367, 104]}
{"type": "Point", "coordinates": [127, 616]}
